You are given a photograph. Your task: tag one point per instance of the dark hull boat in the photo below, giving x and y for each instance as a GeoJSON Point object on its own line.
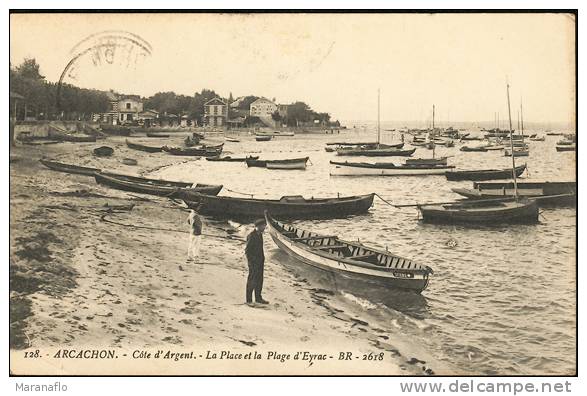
{"type": "Point", "coordinates": [263, 138]}
{"type": "Point", "coordinates": [115, 130]}
{"type": "Point", "coordinates": [385, 169]}
{"type": "Point", "coordinates": [474, 149]}
{"type": "Point", "coordinates": [366, 144]}
{"type": "Point", "coordinates": [481, 212]}
{"type": "Point", "coordinates": [545, 193]}
{"type": "Point", "coordinates": [293, 207]}
{"type": "Point", "coordinates": [349, 259]}
{"type": "Point", "coordinates": [103, 151]}
{"type": "Point", "coordinates": [212, 151]}
{"type": "Point", "coordinates": [157, 135]}
{"type": "Point", "coordinates": [67, 168]}
{"type": "Point", "coordinates": [572, 147]}
{"type": "Point", "coordinates": [376, 152]}
{"type": "Point", "coordinates": [142, 147]}
{"type": "Point", "coordinates": [427, 161]}
{"type": "Point", "coordinates": [486, 174]}
{"type": "Point", "coordinates": [145, 180]}
{"type": "Point", "coordinates": [172, 191]}
{"type": "Point", "coordinates": [228, 158]}
{"type": "Point", "coordinates": [293, 163]}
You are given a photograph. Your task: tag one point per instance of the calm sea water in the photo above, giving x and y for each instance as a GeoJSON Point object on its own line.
{"type": "Point", "coordinates": [502, 301]}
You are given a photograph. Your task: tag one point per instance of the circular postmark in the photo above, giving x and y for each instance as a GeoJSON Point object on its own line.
{"type": "Point", "coordinates": [118, 48]}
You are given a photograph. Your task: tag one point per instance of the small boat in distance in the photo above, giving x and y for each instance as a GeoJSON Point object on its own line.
{"type": "Point", "coordinates": [158, 135]}
{"type": "Point", "coordinates": [572, 147]}
{"type": "Point", "coordinates": [263, 138]}
{"type": "Point", "coordinates": [474, 148]}
{"type": "Point", "coordinates": [350, 259]}
{"type": "Point", "coordinates": [293, 163]}
{"type": "Point", "coordinates": [375, 152]}
{"type": "Point", "coordinates": [228, 158]}
{"type": "Point", "coordinates": [486, 212]}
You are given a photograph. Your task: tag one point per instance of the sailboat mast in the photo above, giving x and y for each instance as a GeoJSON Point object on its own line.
{"type": "Point", "coordinates": [512, 147]}
{"type": "Point", "coordinates": [433, 133]}
{"type": "Point", "coordinates": [378, 118]}
{"type": "Point", "coordinates": [522, 118]}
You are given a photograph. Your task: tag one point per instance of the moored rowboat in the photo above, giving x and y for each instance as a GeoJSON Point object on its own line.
{"type": "Point", "coordinates": [484, 174]}
{"type": "Point", "coordinates": [385, 169]}
{"type": "Point", "coordinates": [293, 207]}
{"type": "Point", "coordinates": [481, 212]}
{"type": "Point", "coordinates": [349, 259]}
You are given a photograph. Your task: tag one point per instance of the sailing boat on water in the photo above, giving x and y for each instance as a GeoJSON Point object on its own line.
{"type": "Point", "coordinates": [379, 149]}
{"type": "Point", "coordinates": [442, 161]}
{"type": "Point", "coordinates": [522, 149]}
{"type": "Point", "coordinates": [489, 212]}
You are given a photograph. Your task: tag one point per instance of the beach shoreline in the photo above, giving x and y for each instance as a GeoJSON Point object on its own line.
{"type": "Point", "coordinates": [78, 280]}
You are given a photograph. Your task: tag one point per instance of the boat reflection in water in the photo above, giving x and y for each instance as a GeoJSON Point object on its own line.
{"type": "Point", "coordinates": [369, 295]}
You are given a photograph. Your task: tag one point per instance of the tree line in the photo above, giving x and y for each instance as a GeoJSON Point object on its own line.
{"type": "Point", "coordinates": [45, 100]}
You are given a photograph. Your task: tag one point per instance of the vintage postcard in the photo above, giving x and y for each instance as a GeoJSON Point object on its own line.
{"type": "Point", "coordinates": [293, 193]}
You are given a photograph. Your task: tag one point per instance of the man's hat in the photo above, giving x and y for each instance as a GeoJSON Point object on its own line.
{"type": "Point", "coordinates": [260, 222]}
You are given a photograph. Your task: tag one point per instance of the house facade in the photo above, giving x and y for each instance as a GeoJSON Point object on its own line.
{"type": "Point", "coordinates": [262, 107]}
{"type": "Point", "coordinates": [215, 112]}
{"type": "Point", "coordinates": [123, 109]}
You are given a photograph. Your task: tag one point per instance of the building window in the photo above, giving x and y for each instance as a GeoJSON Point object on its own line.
{"type": "Point", "coordinates": [128, 106]}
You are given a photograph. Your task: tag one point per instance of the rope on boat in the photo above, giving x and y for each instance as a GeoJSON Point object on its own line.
{"type": "Point", "coordinates": [104, 219]}
{"type": "Point", "coordinates": [384, 200]}
{"type": "Point", "coordinates": [241, 193]}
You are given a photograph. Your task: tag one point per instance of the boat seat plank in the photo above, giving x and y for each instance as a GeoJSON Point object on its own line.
{"type": "Point", "coordinates": [313, 237]}
{"type": "Point", "coordinates": [363, 256]}
{"type": "Point", "coordinates": [329, 247]}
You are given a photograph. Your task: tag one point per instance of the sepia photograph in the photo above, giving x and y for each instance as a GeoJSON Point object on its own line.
{"type": "Point", "coordinates": [303, 193]}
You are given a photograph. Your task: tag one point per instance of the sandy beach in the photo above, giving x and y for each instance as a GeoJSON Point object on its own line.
{"type": "Point", "coordinates": [82, 276]}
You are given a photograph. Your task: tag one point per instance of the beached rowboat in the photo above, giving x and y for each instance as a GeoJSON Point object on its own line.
{"type": "Point", "coordinates": [203, 151]}
{"type": "Point", "coordinates": [293, 163]}
{"type": "Point", "coordinates": [293, 207]}
{"type": "Point", "coordinates": [169, 190]}
{"type": "Point", "coordinates": [157, 135]}
{"type": "Point", "coordinates": [67, 168]}
{"type": "Point", "coordinates": [228, 158]}
{"type": "Point", "coordinates": [263, 138]}
{"type": "Point", "coordinates": [142, 147]}
{"type": "Point", "coordinates": [385, 169]}
{"type": "Point", "coordinates": [572, 147]}
{"type": "Point", "coordinates": [349, 259]}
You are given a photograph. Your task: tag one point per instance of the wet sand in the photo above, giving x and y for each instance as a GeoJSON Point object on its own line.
{"type": "Point", "coordinates": [79, 281]}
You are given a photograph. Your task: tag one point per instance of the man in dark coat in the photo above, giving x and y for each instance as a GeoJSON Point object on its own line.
{"type": "Point", "coordinates": [256, 262]}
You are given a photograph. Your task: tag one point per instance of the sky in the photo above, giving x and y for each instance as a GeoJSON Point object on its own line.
{"type": "Point", "coordinates": [334, 62]}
